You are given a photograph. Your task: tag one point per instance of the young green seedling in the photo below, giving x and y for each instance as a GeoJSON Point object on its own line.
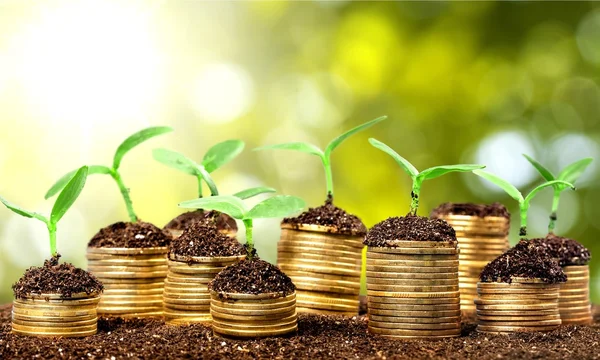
{"type": "Point", "coordinates": [217, 156]}
{"type": "Point", "coordinates": [273, 207]}
{"type": "Point", "coordinates": [569, 174]}
{"type": "Point", "coordinates": [113, 171]}
{"type": "Point", "coordinates": [418, 177]}
{"type": "Point", "coordinates": [325, 156]}
{"type": "Point", "coordinates": [65, 199]}
{"type": "Point", "coordinates": [513, 192]}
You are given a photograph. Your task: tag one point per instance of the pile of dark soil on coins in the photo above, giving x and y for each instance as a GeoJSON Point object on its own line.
{"type": "Point", "coordinates": [470, 209]}
{"type": "Point", "coordinates": [203, 239]}
{"type": "Point", "coordinates": [332, 216]}
{"type": "Point", "coordinates": [253, 276]}
{"type": "Point", "coordinates": [566, 251]}
{"type": "Point", "coordinates": [528, 260]}
{"type": "Point", "coordinates": [319, 337]}
{"type": "Point", "coordinates": [223, 221]}
{"type": "Point", "coordinates": [413, 228]}
{"type": "Point", "coordinates": [130, 235]}
{"type": "Point", "coordinates": [54, 278]}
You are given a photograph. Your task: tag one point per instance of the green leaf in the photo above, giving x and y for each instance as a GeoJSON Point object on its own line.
{"type": "Point", "coordinates": [276, 206]}
{"type": "Point", "coordinates": [176, 161]}
{"type": "Point", "coordinates": [437, 171]}
{"type": "Point", "coordinates": [298, 146]}
{"type": "Point", "coordinates": [338, 140]}
{"type": "Point", "coordinates": [226, 204]}
{"type": "Point", "coordinates": [501, 183]}
{"type": "Point", "coordinates": [136, 139]}
{"type": "Point", "coordinates": [404, 164]}
{"type": "Point", "coordinates": [60, 184]}
{"type": "Point", "coordinates": [546, 184]}
{"type": "Point", "coordinates": [248, 193]}
{"type": "Point", "coordinates": [546, 174]}
{"type": "Point", "coordinates": [222, 153]}
{"type": "Point", "coordinates": [68, 195]}
{"type": "Point", "coordinates": [573, 171]}
{"type": "Point", "coordinates": [22, 212]}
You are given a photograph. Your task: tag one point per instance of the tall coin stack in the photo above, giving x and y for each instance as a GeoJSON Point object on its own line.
{"type": "Point", "coordinates": [480, 240]}
{"type": "Point", "coordinates": [524, 305]}
{"type": "Point", "coordinates": [324, 265]}
{"type": "Point", "coordinates": [133, 280]}
{"type": "Point", "coordinates": [574, 301]}
{"type": "Point", "coordinates": [186, 296]}
{"type": "Point", "coordinates": [51, 315]}
{"type": "Point", "coordinates": [413, 290]}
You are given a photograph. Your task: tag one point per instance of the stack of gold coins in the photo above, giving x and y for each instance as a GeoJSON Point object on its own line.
{"type": "Point", "coordinates": [253, 316]}
{"type": "Point", "coordinates": [51, 315]}
{"type": "Point", "coordinates": [133, 279]}
{"type": "Point", "coordinates": [325, 267]}
{"type": "Point", "coordinates": [574, 300]}
{"type": "Point", "coordinates": [412, 290]}
{"type": "Point", "coordinates": [480, 240]}
{"type": "Point", "coordinates": [524, 305]}
{"type": "Point", "coordinates": [186, 296]}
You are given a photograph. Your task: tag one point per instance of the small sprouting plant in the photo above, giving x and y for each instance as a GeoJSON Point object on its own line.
{"type": "Point", "coordinates": [113, 171]}
{"type": "Point", "coordinates": [513, 192]}
{"type": "Point", "coordinates": [65, 199]}
{"type": "Point", "coordinates": [217, 156]}
{"type": "Point", "coordinates": [232, 205]}
{"type": "Point", "coordinates": [418, 177]}
{"type": "Point", "coordinates": [569, 174]}
{"type": "Point", "coordinates": [325, 156]}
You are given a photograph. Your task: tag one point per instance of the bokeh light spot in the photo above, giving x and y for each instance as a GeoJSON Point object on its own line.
{"type": "Point", "coordinates": [505, 92]}
{"type": "Point", "coordinates": [588, 37]}
{"type": "Point", "coordinates": [571, 147]}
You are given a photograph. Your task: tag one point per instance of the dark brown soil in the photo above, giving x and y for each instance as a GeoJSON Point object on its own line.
{"type": "Point", "coordinates": [330, 215]}
{"type": "Point", "coordinates": [526, 259]}
{"type": "Point", "coordinates": [566, 251]}
{"type": "Point", "coordinates": [202, 238]}
{"type": "Point", "coordinates": [479, 210]}
{"type": "Point", "coordinates": [130, 235]}
{"type": "Point", "coordinates": [413, 228]}
{"type": "Point", "coordinates": [319, 337]}
{"type": "Point", "coordinates": [252, 277]}
{"type": "Point", "coordinates": [54, 278]}
{"type": "Point", "coordinates": [223, 221]}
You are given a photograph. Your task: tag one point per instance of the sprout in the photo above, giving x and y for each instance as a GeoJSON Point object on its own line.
{"type": "Point", "coordinates": [65, 199]}
{"type": "Point", "coordinates": [113, 171]}
{"type": "Point", "coordinates": [524, 202]}
{"type": "Point", "coordinates": [217, 156]}
{"type": "Point", "coordinates": [418, 177]}
{"type": "Point", "coordinates": [569, 174]}
{"type": "Point", "coordinates": [325, 156]}
{"type": "Point", "coordinates": [273, 207]}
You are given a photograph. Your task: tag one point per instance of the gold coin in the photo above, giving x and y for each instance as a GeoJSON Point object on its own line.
{"type": "Point", "coordinates": [219, 315]}
{"type": "Point", "coordinates": [141, 284]}
{"type": "Point", "coordinates": [412, 326]}
{"type": "Point", "coordinates": [516, 303]}
{"type": "Point", "coordinates": [412, 269]}
{"type": "Point", "coordinates": [50, 324]}
{"type": "Point", "coordinates": [517, 312]}
{"type": "Point", "coordinates": [520, 323]}
{"type": "Point", "coordinates": [321, 257]}
{"type": "Point", "coordinates": [406, 332]}
{"type": "Point", "coordinates": [52, 334]}
{"type": "Point", "coordinates": [415, 313]}
{"type": "Point", "coordinates": [64, 303]}
{"type": "Point", "coordinates": [66, 329]}
{"type": "Point", "coordinates": [574, 268]}
{"type": "Point", "coordinates": [321, 276]}
{"type": "Point", "coordinates": [566, 304]}
{"type": "Point", "coordinates": [188, 320]}
{"type": "Point", "coordinates": [132, 292]}
{"type": "Point", "coordinates": [356, 253]}
{"type": "Point", "coordinates": [256, 325]}
{"type": "Point", "coordinates": [351, 246]}
{"type": "Point", "coordinates": [192, 301]}
{"type": "Point", "coordinates": [54, 308]}
{"type": "Point", "coordinates": [510, 306]}
{"type": "Point", "coordinates": [409, 263]}
{"type": "Point", "coordinates": [581, 321]}
{"type": "Point", "coordinates": [182, 307]}
{"type": "Point", "coordinates": [323, 282]}
{"type": "Point", "coordinates": [126, 309]}
{"type": "Point", "coordinates": [225, 304]}
{"type": "Point", "coordinates": [414, 301]}
{"type": "Point", "coordinates": [207, 259]}
{"type": "Point", "coordinates": [326, 312]}
{"type": "Point", "coordinates": [130, 275]}
{"type": "Point", "coordinates": [395, 256]}
{"type": "Point", "coordinates": [327, 297]}
{"type": "Point", "coordinates": [127, 261]}
{"type": "Point", "coordinates": [413, 307]}
{"type": "Point", "coordinates": [415, 251]}
{"type": "Point", "coordinates": [266, 302]}
{"type": "Point", "coordinates": [332, 289]}
{"type": "Point", "coordinates": [488, 328]}
{"type": "Point", "coordinates": [132, 304]}
{"type": "Point", "coordinates": [128, 251]}
{"type": "Point", "coordinates": [189, 280]}
{"type": "Point", "coordinates": [516, 290]}
{"type": "Point", "coordinates": [476, 246]}
{"type": "Point", "coordinates": [408, 275]}
{"type": "Point", "coordinates": [437, 294]}
{"type": "Point", "coordinates": [186, 290]}
{"type": "Point", "coordinates": [189, 272]}
{"type": "Point", "coordinates": [253, 333]}
{"type": "Point", "coordinates": [58, 319]}
{"type": "Point", "coordinates": [275, 296]}
{"type": "Point", "coordinates": [132, 269]}
{"type": "Point", "coordinates": [329, 307]}
{"type": "Point", "coordinates": [415, 244]}
{"type": "Point", "coordinates": [285, 267]}
{"type": "Point", "coordinates": [416, 320]}
{"type": "Point", "coordinates": [401, 288]}
{"type": "Point", "coordinates": [519, 296]}
{"type": "Point", "coordinates": [53, 313]}
{"type": "Point", "coordinates": [323, 263]}
{"type": "Point", "coordinates": [518, 318]}
{"type": "Point", "coordinates": [413, 282]}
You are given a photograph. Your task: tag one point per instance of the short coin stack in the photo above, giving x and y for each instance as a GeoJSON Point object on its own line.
{"type": "Point", "coordinates": [574, 297]}
{"type": "Point", "coordinates": [524, 305]}
{"type": "Point", "coordinates": [480, 240]}
{"type": "Point", "coordinates": [49, 315]}
{"type": "Point", "coordinates": [413, 290]}
{"type": "Point", "coordinates": [253, 316]}
{"type": "Point", "coordinates": [325, 267]}
{"type": "Point", "coordinates": [186, 296]}
{"type": "Point", "coordinates": [133, 279]}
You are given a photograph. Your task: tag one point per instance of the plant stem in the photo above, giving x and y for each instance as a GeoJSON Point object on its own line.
{"type": "Point", "coordinates": [209, 181]}
{"type": "Point", "coordinates": [249, 241]}
{"type": "Point", "coordinates": [328, 175]}
{"type": "Point", "coordinates": [553, 216]}
{"type": "Point", "coordinates": [523, 210]}
{"type": "Point", "coordinates": [52, 231]}
{"type": "Point", "coordinates": [125, 192]}
{"type": "Point", "coordinates": [414, 194]}
{"type": "Point", "coordinates": [199, 186]}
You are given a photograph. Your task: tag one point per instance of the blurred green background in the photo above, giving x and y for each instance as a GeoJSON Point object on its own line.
{"type": "Point", "coordinates": [476, 82]}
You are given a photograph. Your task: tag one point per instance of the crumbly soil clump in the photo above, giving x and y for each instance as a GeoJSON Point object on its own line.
{"type": "Point", "coordinates": [566, 251]}
{"type": "Point", "coordinates": [130, 235]}
{"type": "Point", "coordinates": [470, 209]}
{"type": "Point", "coordinates": [410, 228]}
{"type": "Point", "coordinates": [528, 260]}
{"type": "Point", "coordinates": [203, 239]}
{"type": "Point", "coordinates": [253, 276]}
{"type": "Point", "coordinates": [223, 222]}
{"type": "Point", "coordinates": [331, 216]}
{"type": "Point", "coordinates": [54, 278]}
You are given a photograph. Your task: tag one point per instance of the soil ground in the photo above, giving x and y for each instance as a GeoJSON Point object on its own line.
{"type": "Point", "coordinates": [319, 337]}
